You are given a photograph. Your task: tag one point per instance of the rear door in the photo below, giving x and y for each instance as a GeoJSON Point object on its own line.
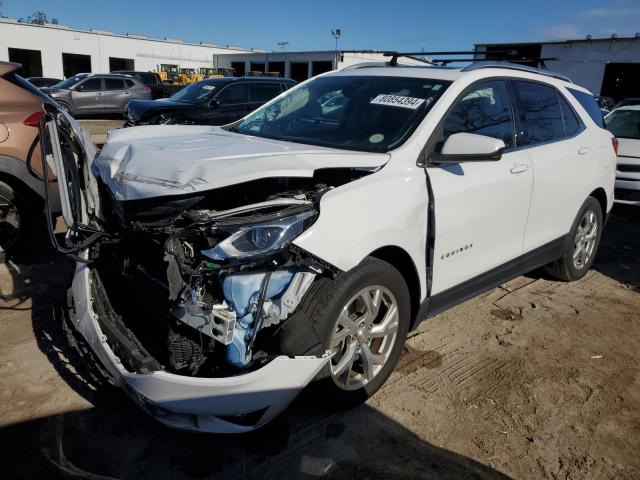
{"type": "Point", "coordinates": [115, 95]}
{"type": "Point", "coordinates": [479, 210]}
{"type": "Point", "coordinates": [233, 102]}
{"type": "Point", "coordinates": [561, 151]}
{"type": "Point", "coordinates": [87, 95]}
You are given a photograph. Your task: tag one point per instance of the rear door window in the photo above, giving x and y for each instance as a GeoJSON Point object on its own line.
{"type": "Point", "coordinates": [589, 103]}
{"type": "Point", "coordinates": [484, 110]}
{"type": "Point", "coordinates": [540, 112]}
{"type": "Point", "coordinates": [263, 92]}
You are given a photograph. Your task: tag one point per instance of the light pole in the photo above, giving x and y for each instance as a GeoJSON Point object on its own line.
{"type": "Point", "coordinates": [336, 33]}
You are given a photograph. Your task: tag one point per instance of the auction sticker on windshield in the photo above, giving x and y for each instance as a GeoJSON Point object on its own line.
{"type": "Point", "coordinates": [398, 101]}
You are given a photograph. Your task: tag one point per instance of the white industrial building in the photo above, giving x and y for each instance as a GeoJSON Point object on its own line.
{"type": "Point", "coordinates": [58, 51]}
{"type": "Point", "coordinates": [609, 67]}
{"type": "Point", "coordinates": [298, 65]}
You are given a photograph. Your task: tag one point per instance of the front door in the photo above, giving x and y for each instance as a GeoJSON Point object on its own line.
{"type": "Point", "coordinates": [480, 208]}
{"type": "Point", "coordinates": [231, 103]}
{"type": "Point", "coordinates": [86, 96]}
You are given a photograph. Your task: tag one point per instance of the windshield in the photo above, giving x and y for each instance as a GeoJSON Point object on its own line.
{"type": "Point", "coordinates": [196, 94]}
{"type": "Point", "coordinates": [70, 82]}
{"type": "Point", "coordinates": [624, 123]}
{"type": "Point", "coordinates": [372, 114]}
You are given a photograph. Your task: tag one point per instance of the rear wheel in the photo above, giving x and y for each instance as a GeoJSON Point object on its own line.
{"type": "Point", "coordinates": [21, 218]}
{"type": "Point", "coordinates": [581, 245]}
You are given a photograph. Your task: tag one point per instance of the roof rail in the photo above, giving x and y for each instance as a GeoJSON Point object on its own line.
{"type": "Point", "coordinates": [395, 55]}
{"type": "Point", "coordinates": [365, 65]}
{"type": "Point", "coordinates": [514, 66]}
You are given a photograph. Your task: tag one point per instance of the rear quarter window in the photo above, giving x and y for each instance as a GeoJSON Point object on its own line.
{"type": "Point", "coordinates": [589, 103]}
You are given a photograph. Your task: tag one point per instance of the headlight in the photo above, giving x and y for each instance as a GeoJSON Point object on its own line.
{"type": "Point", "coordinates": [260, 238]}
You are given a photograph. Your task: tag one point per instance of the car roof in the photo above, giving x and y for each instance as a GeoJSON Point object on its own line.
{"type": "Point", "coordinates": [436, 72]}
{"type": "Point", "coordinates": [226, 80]}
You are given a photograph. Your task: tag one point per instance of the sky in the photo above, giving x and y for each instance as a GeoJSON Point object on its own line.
{"type": "Point", "coordinates": [401, 25]}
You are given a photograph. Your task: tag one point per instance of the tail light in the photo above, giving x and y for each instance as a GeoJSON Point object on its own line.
{"type": "Point", "coordinates": [33, 120]}
{"type": "Point", "coordinates": [146, 89]}
{"type": "Point", "coordinates": [615, 143]}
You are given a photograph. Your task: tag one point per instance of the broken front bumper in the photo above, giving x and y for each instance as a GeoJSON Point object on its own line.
{"type": "Point", "coordinates": [222, 405]}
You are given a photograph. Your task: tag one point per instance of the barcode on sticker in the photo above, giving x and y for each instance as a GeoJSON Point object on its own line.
{"type": "Point", "coordinates": [398, 101]}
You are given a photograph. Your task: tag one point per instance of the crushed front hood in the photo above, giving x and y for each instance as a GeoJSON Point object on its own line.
{"type": "Point", "coordinates": [155, 161]}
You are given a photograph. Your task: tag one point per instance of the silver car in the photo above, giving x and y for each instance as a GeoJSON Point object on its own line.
{"type": "Point", "coordinates": [86, 94]}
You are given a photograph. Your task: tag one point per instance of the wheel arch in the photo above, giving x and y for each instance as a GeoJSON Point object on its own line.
{"type": "Point", "coordinates": [402, 261]}
{"type": "Point", "coordinates": [601, 196]}
{"type": "Point", "coordinates": [14, 173]}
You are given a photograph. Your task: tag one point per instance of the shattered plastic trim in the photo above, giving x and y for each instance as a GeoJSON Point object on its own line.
{"type": "Point", "coordinates": [193, 403]}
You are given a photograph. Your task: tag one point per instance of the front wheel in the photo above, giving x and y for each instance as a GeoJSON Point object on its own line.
{"type": "Point", "coordinates": [364, 318]}
{"type": "Point", "coordinates": [581, 244]}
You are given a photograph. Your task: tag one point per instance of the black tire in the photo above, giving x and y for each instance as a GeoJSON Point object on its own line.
{"type": "Point", "coordinates": [310, 330]}
{"type": "Point", "coordinates": [22, 220]}
{"type": "Point", "coordinates": [565, 268]}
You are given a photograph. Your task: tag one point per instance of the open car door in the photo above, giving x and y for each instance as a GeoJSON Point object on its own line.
{"type": "Point", "coordinates": [69, 153]}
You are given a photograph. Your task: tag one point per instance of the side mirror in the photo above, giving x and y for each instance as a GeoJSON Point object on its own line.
{"type": "Point", "coordinates": [469, 147]}
{"type": "Point", "coordinates": [214, 103]}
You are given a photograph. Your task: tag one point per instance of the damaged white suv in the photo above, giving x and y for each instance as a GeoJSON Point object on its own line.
{"type": "Point", "coordinates": [221, 269]}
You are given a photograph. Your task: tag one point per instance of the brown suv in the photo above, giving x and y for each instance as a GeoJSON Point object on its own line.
{"type": "Point", "coordinates": [21, 184]}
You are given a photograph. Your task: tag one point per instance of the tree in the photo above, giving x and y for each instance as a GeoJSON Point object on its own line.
{"type": "Point", "coordinates": [38, 18]}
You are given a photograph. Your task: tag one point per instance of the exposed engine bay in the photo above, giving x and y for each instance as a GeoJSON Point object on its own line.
{"type": "Point", "coordinates": [191, 272]}
{"type": "Point", "coordinates": [202, 291]}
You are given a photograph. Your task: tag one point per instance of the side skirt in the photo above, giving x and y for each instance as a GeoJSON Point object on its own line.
{"type": "Point", "coordinates": [460, 293]}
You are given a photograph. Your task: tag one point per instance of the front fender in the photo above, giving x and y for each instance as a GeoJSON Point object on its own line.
{"type": "Point", "coordinates": [387, 208]}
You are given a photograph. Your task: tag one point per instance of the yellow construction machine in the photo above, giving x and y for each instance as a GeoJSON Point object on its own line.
{"type": "Point", "coordinates": [187, 76]}
{"type": "Point", "coordinates": [209, 72]}
{"type": "Point", "coordinates": [168, 73]}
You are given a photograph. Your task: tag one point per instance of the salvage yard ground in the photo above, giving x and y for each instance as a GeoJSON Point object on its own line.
{"type": "Point", "coordinates": [535, 379]}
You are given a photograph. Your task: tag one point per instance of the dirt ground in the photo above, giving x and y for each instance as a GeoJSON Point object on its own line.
{"type": "Point", "coordinates": [535, 379]}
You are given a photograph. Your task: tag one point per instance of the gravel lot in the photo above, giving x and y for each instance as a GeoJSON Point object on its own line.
{"type": "Point", "coordinates": [535, 379]}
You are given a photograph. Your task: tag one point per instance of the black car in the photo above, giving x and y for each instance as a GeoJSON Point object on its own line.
{"type": "Point", "coordinates": [150, 79]}
{"type": "Point", "coordinates": [215, 101]}
{"type": "Point", "coordinates": [41, 82]}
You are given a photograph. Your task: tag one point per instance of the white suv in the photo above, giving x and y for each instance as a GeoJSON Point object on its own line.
{"type": "Point", "coordinates": [221, 269]}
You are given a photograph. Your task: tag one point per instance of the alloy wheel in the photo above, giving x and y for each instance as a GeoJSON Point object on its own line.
{"type": "Point", "coordinates": [363, 337]}
{"type": "Point", "coordinates": [585, 239]}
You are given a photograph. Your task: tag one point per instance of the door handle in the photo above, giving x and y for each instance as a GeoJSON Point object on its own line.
{"type": "Point", "coordinates": [584, 150]}
{"type": "Point", "coordinates": [520, 168]}
{"type": "Point", "coordinates": [99, 94]}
